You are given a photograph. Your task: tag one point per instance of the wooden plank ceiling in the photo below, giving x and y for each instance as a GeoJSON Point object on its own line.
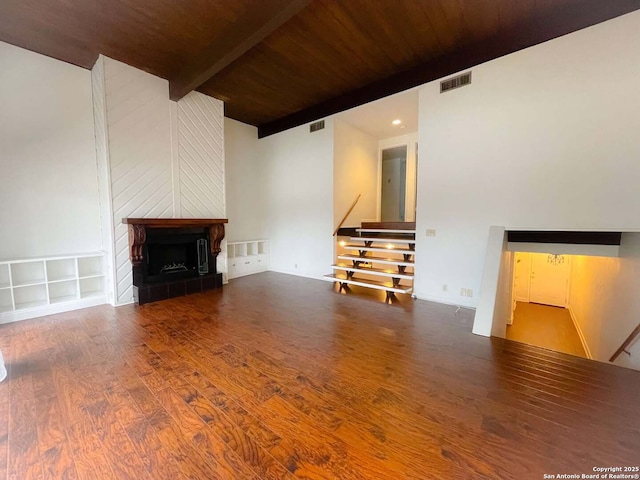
{"type": "Point", "coordinates": [280, 63]}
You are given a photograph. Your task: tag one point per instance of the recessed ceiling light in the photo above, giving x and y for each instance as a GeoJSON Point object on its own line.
{"type": "Point", "coordinates": [397, 121]}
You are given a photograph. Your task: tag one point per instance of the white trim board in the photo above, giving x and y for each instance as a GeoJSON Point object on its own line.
{"type": "Point", "coordinates": [46, 310]}
{"type": "Point", "coordinates": [580, 334]}
{"type": "Point", "coordinates": [565, 249]}
{"type": "Point", "coordinates": [441, 301]}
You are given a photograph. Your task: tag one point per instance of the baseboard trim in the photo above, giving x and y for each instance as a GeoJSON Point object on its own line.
{"type": "Point", "coordinates": [441, 301]}
{"type": "Point", "coordinates": [580, 334]}
{"type": "Point", "coordinates": [295, 274]}
{"type": "Point", "coordinates": [27, 314]}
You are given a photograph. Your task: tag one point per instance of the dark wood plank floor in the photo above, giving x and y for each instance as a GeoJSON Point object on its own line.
{"type": "Point", "coordinates": [282, 377]}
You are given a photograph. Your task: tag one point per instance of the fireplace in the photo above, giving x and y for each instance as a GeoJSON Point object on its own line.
{"type": "Point", "coordinates": [172, 254]}
{"type": "Point", "coordinates": [174, 257]}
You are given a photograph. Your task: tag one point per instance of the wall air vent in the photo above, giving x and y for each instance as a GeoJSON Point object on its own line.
{"type": "Point", "coordinates": [314, 127]}
{"type": "Point", "coordinates": [455, 82]}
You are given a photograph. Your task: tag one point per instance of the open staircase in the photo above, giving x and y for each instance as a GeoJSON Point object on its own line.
{"type": "Point", "coordinates": [380, 256]}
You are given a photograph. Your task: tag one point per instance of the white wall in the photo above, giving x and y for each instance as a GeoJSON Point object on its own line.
{"type": "Point", "coordinates": [198, 124]}
{"type": "Point", "coordinates": [604, 300]}
{"type": "Point", "coordinates": [157, 159]}
{"type": "Point", "coordinates": [48, 191]}
{"type": "Point", "coordinates": [355, 171]}
{"type": "Point", "coordinates": [298, 198]}
{"type": "Point", "coordinates": [545, 138]}
{"type": "Point", "coordinates": [245, 183]}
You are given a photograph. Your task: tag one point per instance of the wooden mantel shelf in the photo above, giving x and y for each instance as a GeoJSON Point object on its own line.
{"type": "Point", "coordinates": [174, 222]}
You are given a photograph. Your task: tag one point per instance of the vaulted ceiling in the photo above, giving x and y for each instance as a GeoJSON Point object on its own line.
{"type": "Point", "coordinates": [280, 63]}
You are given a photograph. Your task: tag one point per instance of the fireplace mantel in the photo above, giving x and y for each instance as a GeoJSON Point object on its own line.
{"type": "Point", "coordinates": [144, 234]}
{"type": "Point", "coordinates": [174, 222]}
{"type": "Point", "coordinates": [138, 234]}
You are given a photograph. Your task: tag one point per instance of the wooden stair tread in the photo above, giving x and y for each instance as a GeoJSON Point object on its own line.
{"type": "Point", "coordinates": [385, 230]}
{"type": "Point", "coordinates": [387, 261]}
{"type": "Point", "coordinates": [379, 249]}
{"type": "Point", "coordinates": [387, 286]}
{"type": "Point", "coordinates": [389, 225]}
{"type": "Point", "coordinates": [383, 240]}
{"type": "Point", "coordinates": [374, 271]}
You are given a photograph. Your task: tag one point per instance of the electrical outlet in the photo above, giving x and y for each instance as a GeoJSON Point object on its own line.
{"type": "Point", "coordinates": [445, 287]}
{"type": "Point", "coordinates": [431, 232]}
{"type": "Point", "coordinates": [466, 292]}
{"type": "Point", "coordinates": [295, 266]}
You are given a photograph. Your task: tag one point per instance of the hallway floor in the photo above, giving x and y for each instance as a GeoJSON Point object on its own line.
{"type": "Point", "coordinates": [547, 327]}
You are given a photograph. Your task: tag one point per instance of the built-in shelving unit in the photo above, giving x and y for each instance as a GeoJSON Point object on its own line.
{"type": "Point", "coordinates": [42, 286]}
{"type": "Point", "coordinates": [245, 258]}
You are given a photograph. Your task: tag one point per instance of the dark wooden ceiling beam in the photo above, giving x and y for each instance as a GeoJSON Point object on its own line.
{"type": "Point", "coordinates": [565, 19]}
{"type": "Point", "coordinates": [218, 56]}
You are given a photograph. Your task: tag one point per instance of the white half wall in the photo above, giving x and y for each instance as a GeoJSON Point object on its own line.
{"type": "Point", "coordinates": [604, 301]}
{"type": "Point", "coordinates": [543, 139]}
{"type": "Point", "coordinates": [157, 159]}
{"type": "Point", "coordinates": [355, 171]}
{"type": "Point", "coordinates": [495, 299]}
{"type": "Point", "coordinates": [245, 183]}
{"type": "Point", "coordinates": [49, 191]}
{"type": "Point", "coordinates": [299, 200]}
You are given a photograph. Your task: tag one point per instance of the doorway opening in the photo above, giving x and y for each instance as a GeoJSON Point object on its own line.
{"type": "Point", "coordinates": [394, 184]}
{"type": "Point", "coordinates": [541, 313]}
{"type": "Point", "coordinates": [594, 276]}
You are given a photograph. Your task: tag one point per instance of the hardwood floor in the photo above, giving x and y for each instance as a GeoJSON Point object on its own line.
{"type": "Point", "coordinates": [281, 377]}
{"type": "Point", "coordinates": [546, 327]}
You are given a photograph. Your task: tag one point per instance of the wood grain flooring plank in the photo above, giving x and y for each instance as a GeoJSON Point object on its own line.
{"type": "Point", "coordinates": [89, 457]}
{"type": "Point", "coordinates": [189, 409]}
{"type": "Point", "coordinates": [238, 415]}
{"type": "Point", "coordinates": [4, 411]}
{"type": "Point", "coordinates": [58, 463]}
{"type": "Point", "coordinates": [276, 376]}
{"type": "Point", "coordinates": [23, 460]}
{"type": "Point", "coordinates": [116, 444]}
{"type": "Point", "coordinates": [250, 451]}
{"type": "Point", "coordinates": [157, 460]}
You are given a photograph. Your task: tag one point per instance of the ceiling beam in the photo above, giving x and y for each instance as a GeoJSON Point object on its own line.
{"type": "Point", "coordinates": [565, 19]}
{"type": "Point", "coordinates": [231, 47]}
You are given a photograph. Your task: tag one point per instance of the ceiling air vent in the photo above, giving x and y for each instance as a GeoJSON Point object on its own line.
{"type": "Point", "coordinates": [455, 82]}
{"type": "Point", "coordinates": [314, 127]}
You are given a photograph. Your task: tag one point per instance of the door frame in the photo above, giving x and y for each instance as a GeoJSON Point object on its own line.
{"type": "Point", "coordinates": [528, 275]}
{"type": "Point", "coordinates": [410, 141]}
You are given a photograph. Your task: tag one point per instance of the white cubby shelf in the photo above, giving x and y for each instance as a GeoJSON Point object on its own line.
{"type": "Point", "coordinates": [245, 258]}
{"type": "Point", "coordinates": [33, 287]}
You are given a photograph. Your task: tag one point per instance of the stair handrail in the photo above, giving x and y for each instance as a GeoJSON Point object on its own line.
{"type": "Point", "coordinates": [626, 343]}
{"type": "Point", "coordinates": [346, 215]}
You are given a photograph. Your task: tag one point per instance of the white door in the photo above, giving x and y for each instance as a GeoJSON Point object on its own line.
{"type": "Point", "coordinates": [549, 280]}
{"type": "Point", "coordinates": [521, 274]}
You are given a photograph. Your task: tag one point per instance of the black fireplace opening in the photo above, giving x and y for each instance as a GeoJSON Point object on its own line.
{"type": "Point", "coordinates": [174, 254]}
